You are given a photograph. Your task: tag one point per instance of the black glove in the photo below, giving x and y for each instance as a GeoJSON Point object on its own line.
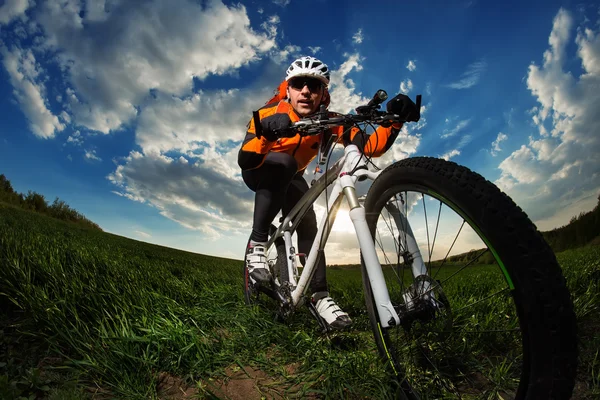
{"type": "Point", "coordinates": [276, 122]}
{"type": "Point", "coordinates": [403, 106]}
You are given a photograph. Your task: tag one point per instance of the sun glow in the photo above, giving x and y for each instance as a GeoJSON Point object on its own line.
{"type": "Point", "coordinates": [343, 223]}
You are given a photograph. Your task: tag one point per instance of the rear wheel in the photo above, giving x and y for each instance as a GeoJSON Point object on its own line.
{"type": "Point", "coordinates": [491, 316]}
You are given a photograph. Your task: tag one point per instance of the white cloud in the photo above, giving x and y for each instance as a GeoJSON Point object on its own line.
{"type": "Point", "coordinates": [411, 66]}
{"type": "Point", "coordinates": [270, 25]}
{"type": "Point", "coordinates": [496, 143]}
{"type": "Point", "coordinates": [128, 195]}
{"type": "Point", "coordinates": [342, 89]}
{"type": "Point", "coordinates": [559, 37]}
{"type": "Point", "coordinates": [358, 36]}
{"type": "Point", "coordinates": [143, 234]}
{"type": "Point", "coordinates": [464, 140]}
{"type": "Point", "coordinates": [460, 126]}
{"type": "Point", "coordinates": [281, 3]}
{"type": "Point", "coordinates": [90, 155]}
{"type": "Point", "coordinates": [509, 116]}
{"type": "Point", "coordinates": [26, 77]}
{"type": "Point", "coordinates": [75, 139]}
{"type": "Point", "coordinates": [172, 124]}
{"type": "Point", "coordinates": [447, 156]}
{"type": "Point", "coordinates": [428, 89]}
{"type": "Point", "coordinates": [589, 51]}
{"type": "Point", "coordinates": [314, 50]}
{"type": "Point", "coordinates": [12, 9]}
{"type": "Point", "coordinates": [519, 167]}
{"type": "Point", "coordinates": [283, 56]}
{"type": "Point", "coordinates": [562, 166]}
{"type": "Point", "coordinates": [200, 195]}
{"type": "Point", "coordinates": [198, 184]}
{"type": "Point", "coordinates": [406, 144]}
{"type": "Point", "coordinates": [144, 76]}
{"type": "Point", "coordinates": [161, 46]}
{"type": "Point", "coordinates": [65, 117]}
{"type": "Point", "coordinates": [470, 77]}
{"type": "Point", "coordinates": [406, 86]}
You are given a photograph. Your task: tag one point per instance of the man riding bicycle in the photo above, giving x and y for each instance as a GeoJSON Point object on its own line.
{"type": "Point", "coordinates": [273, 167]}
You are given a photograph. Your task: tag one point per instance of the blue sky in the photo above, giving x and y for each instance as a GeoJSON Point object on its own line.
{"type": "Point", "coordinates": [133, 111]}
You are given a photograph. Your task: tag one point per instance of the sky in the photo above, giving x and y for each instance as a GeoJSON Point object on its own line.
{"type": "Point", "coordinates": [133, 112]}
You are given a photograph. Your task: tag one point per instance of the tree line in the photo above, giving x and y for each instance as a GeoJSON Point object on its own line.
{"type": "Point", "coordinates": [37, 202]}
{"type": "Point", "coordinates": [581, 230]}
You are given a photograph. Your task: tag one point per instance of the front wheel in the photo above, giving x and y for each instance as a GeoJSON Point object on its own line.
{"type": "Point", "coordinates": [484, 308]}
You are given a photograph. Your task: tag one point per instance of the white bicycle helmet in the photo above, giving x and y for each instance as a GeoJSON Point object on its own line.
{"type": "Point", "coordinates": [308, 66]}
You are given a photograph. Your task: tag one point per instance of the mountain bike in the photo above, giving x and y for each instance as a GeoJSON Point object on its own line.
{"type": "Point", "coordinates": [464, 297]}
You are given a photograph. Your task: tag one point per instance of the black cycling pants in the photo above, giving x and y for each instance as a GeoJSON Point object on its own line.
{"type": "Point", "coordinates": [278, 186]}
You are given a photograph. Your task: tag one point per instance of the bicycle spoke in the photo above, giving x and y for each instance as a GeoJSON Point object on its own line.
{"type": "Point", "coordinates": [427, 231]}
{"type": "Point", "coordinates": [397, 244]}
{"type": "Point", "coordinates": [399, 251]}
{"type": "Point", "coordinates": [439, 373]}
{"type": "Point", "coordinates": [392, 237]}
{"type": "Point", "coordinates": [460, 334]}
{"type": "Point", "coordinates": [465, 266]}
{"type": "Point", "coordinates": [450, 249]}
{"type": "Point", "coordinates": [405, 204]}
{"type": "Point", "coordinates": [404, 227]}
{"type": "Point", "coordinates": [437, 224]}
{"type": "Point", "coordinates": [482, 300]}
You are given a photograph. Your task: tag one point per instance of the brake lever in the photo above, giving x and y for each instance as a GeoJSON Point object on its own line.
{"type": "Point", "coordinates": [323, 114]}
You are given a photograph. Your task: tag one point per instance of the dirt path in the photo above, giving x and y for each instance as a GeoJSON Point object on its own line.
{"type": "Point", "coordinates": [237, 383]}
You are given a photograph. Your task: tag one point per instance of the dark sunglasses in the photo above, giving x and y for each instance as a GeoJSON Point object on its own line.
{"type": "Point", "coordinates": [299, 83]}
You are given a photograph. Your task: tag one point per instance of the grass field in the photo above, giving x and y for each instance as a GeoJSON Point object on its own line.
{"type": "Point", "coordinates": [86, 314]}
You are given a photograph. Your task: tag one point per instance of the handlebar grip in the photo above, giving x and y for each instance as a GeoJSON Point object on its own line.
{"type": "Point", "coordinates": [257, 124]}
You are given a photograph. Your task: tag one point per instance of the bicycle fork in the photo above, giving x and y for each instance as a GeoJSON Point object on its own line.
{"type": "Point", "coordinates": [387, 314]}
{"type": "Point", "coordinates": [408, 243]}
{"type": "Point", "coordinates": [345, 186]}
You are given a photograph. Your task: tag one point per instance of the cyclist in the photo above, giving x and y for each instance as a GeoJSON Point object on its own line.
{"type": "Point", "coordinates": [273, 168]}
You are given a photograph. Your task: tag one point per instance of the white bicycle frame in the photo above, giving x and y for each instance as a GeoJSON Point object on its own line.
{"type": "Point", "coordinates": [344, 174]}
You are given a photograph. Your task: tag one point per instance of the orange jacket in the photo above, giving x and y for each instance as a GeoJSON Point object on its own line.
{"type": "Point", "coordinates": [305, 149]}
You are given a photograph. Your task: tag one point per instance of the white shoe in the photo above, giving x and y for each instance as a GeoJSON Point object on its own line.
{"type": "Point", "coordinates": [330, 311]}
{"type": "Point", "coordinates": [256, 262]}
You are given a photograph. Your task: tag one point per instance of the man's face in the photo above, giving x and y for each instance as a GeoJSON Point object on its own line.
{"type": "Point", "coordinates": [305, 94]}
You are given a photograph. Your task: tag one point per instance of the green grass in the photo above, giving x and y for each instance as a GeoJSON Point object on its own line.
{"type": "Point", "coordinates": [89, 314]}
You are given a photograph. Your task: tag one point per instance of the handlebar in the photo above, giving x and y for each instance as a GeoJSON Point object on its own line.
{"type": "Point", "coordinates": [368, 113]}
